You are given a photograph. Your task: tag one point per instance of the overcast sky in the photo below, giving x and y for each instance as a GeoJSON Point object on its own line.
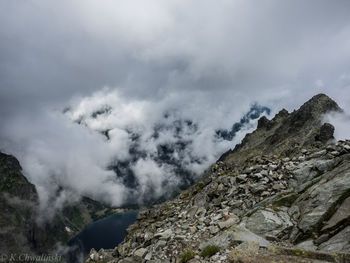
{"type": "Point", "coordinates": [209, 60]}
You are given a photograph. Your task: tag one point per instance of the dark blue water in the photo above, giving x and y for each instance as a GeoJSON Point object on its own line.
{"type": "Point", "coordinates": [105, 233]}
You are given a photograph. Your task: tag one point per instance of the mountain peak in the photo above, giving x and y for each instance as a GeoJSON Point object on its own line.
{"type": "Point", "coordinates": [287, 132]}
{"type": "Point", "coordinates": [313, 109]}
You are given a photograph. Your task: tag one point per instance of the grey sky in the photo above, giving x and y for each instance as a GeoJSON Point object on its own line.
{"type": "Point", "coordinates": [207, 59]}
{"type": "Point", "coordinates": [52, 50]}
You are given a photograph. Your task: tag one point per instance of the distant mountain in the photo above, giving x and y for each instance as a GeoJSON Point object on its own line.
{"type": "Point", "coordinates": [254, 113]}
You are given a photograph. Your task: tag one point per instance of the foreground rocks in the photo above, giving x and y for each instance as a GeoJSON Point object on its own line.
{"type": "Point", "coordinates": [277, 197]}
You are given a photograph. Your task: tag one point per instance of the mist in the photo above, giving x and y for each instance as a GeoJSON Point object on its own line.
{"type": "Point", "coordinates": [93, 94]}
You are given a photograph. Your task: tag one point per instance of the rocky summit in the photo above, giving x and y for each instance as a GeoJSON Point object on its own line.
{"type": "Point", "coordinates": [282, 195]}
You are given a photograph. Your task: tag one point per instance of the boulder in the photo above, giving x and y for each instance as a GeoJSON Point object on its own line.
{"type": "Point", "coordinates": [229, 222]}
{"type": "Point", "coordinates": [326, 132]}
{"type": "Point", "coordinates": [308, 245]}
{"type": "Point", "coordinates": [237, 234]}
{"type": "Point", "coordinates": [342, 213]}
{"type": "Point", "coordinates": [323, 195]}
{"type": "Point", "coordinates": [140, 253]}
{"type": "Point", "coordinates": [164, 235]}
{"type": "Point", "coordinates": [268, 221]}
{"type": "Point", "coordinates": [339, 242]}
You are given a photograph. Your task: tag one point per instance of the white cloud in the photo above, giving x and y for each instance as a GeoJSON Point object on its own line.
{"type": "Point", "coordinates": [341, 122]}
{"type": "Point", "coordinates": [206, 61]}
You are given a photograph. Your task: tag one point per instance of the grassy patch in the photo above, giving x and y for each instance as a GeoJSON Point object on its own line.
{"type": "Point", "coordinates": [250, 213]}
{"type": "Point", "coordinates": [286, 201]}
{"type": "Point", "coordinates": [209, 251]}
{"type": "Point", "coordinates": [187, 256]}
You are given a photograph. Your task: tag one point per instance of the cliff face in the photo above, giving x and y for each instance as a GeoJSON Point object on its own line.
{"type": "Point", "coordinates": [19, 206]}
{"type": "Point", "coordinates": [18, 200]}
{"type": "Point", "coordinates": [282, 195]}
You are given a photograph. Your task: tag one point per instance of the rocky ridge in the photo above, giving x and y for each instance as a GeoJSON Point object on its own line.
{"type": "Point", "coordinates": [282, 195]}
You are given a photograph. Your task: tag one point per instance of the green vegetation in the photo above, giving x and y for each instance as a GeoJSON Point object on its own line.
{"type": "Point", "coordinates": [251, 212]}
{"type": "Point", "coordinates": [198, 188]}
{"type": "Point", "coordinates": [208, 251]}
{"type": "Point", "coordinates": [187, 256]}
{"type": "Point", "coordinates": [77, 219]}
{"type": "Point", "coordinates": [286, 201]}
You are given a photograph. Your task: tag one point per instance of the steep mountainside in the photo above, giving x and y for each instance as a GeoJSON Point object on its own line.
{"type": "Point", "coordinates": [18, 199]}
{"type": "Point", "coordinates": [19, 205]}
{"type": "Point", "coordinates": [282, 195]}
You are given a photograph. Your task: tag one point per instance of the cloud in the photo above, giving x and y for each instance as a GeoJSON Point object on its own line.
{"type": "Point", "coordinates": [341, 122]}
{"type": "Point", "coordinates": [122, 66]}
{"type": "Point", "coordinates": [115, 149]}
{"type": "Point", "coordinates": [62, 154]}
{"type": "Point", "coordinates": [157, 146]}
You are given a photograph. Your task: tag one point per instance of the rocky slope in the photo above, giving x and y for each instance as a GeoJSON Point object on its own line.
{"type": "Point", "coordinates": [282, 195]}
{"type": "Point", "coordinates": [19, 205]}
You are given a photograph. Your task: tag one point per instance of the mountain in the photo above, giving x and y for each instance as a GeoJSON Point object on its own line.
{"type": "Point", "coordinates": [18, 200]}
{"type": "Point", "coordinates": [254, 113]}
{"type": "Point", "coordinates": [282, 195]}
{"type": "Point", "coordinates": [21, 229]}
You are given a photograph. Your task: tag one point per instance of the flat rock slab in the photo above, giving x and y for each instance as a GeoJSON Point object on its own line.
{"type": "Point", "coordinates": [323, 256]}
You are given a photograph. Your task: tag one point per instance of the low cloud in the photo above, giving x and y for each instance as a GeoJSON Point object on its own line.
{"type": "Point", "coordinates": [117, 150]}
{"type": "Point", "coordinates": [177, 72]}
{"type": "Point", "coordinates": [341, 122]}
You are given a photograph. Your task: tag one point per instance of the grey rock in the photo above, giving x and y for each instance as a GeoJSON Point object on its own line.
{"type": "Point", "coordinates": [307, 245]}
{"type": "Point", "coordinates": [164, 235]}
{"type": "Point", "coordinates": [192, 211]}
{"type": "Point", "coordinates": [303, 151]}
{"type": "Point", "coordinates": [129, 260]}
{"type": "Point", "coordinates": [214, 229]}
{"type": "Point", "coordinates": [241, 234]}
{"type": "Point", "coordinates": [326, 132]}
{"type": "Point", "coordinates": [250, 246]}
{"type": "Point", "coordinates": [160, 244]}
{"type": "Point", "coordinates": [318, 154]}
{"type": "Point", "coordinates": [278, 186]}
{"type": "Point", "coordinates": [268, 221]}
{"type": "Point", "coordinates": [316, 201]}
{"type": "Point", "coordinates": [235, 203]}
{"type": "Point", "coordinates": [244, 235]}
{"type": "Point", "coordinates": [273, 167]}
{"type": "Point", "coordinates": [201, 212]}
{"type": "Point", "coordinates": [339, 242]}
{"type": "Point", "coordinates": [229, 222]}
{"type": "Point", "coordinates": [335, 153]}
{"type": "Point", "coordinates": [93, 255]}
{"type": "Point", "coordinates": [241, 178]}
{"type": "Point", "coordinates": [140, 253]}
{"type": "Point", "coordinates": [148, 256]}
{"type": "Point", "coordinates": [342, 213]}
